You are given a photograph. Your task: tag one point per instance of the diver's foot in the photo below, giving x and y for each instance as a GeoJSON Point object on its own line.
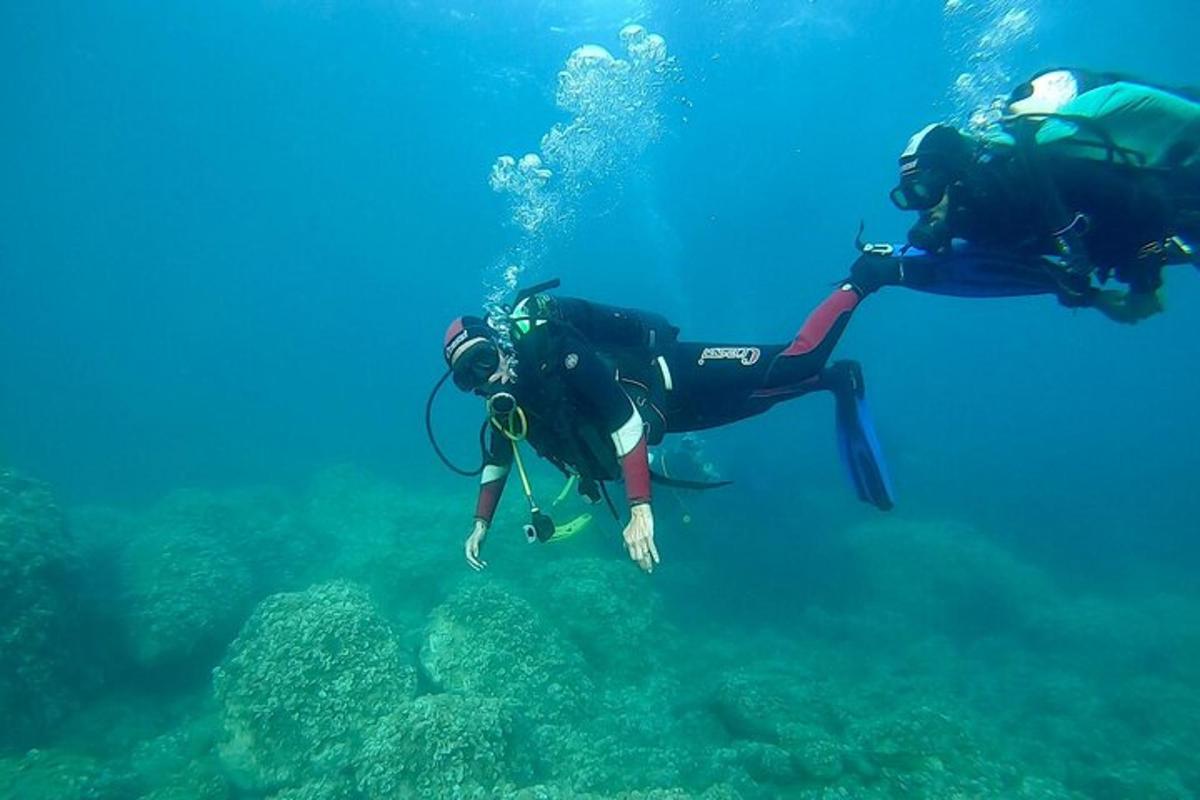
{"type": "Point", "coordinates": [844, 379]}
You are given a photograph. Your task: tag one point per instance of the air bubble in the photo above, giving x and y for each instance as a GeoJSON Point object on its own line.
{"type": "Point", "coordinates": [616, 108]}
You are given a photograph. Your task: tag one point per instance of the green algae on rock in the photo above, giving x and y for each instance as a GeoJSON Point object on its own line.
{"type": "Point", "coordinates": [305, 684]}
{"type": "Point", "coordinates": [486, 641]}
{"type": "Point", "coordinates": [611, 613]}
{"type": "Point", "coordinates": [184, 593]}
{"type": "Point", "coordinates": [38, 612]}
{"type": "Point", "coordinates": [442, 745]}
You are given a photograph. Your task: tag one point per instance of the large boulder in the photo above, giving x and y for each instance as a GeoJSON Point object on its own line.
{"type": "Point", "coordinates": [393, 539]}
{"type": "Point", "coordinates": [265, 531]}
{"type": "Point", "coordinates": [305, 684]}
{"type": "Point", "coordinates": [54, 775]}
{"type": "Point", "coordinates": [608, 610]}
{"type": "Point", "coordinates": [194, 782]}
{"type": "Point", "coordinates": [633, 742]}
{"type": "Point", "coordinates": [400, 542]}
{"type": "Point", "coordinates": [38, 612]}
{"type": "Point", "coordinates": [486, 641]}
{"type": "Point", "coordinates": [185, 591]}
{"type": "Point", "coordinates": [442, 745]}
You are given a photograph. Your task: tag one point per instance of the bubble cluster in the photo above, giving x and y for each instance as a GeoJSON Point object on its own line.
{"type": "Point", "coordinates": [616, 112]}
{"type": "Point", "coordinates": [615, 106]}
{"type": "Point", "coordinates": [526, 181]}
{"type": "Point", "coordinates": [984, 34]}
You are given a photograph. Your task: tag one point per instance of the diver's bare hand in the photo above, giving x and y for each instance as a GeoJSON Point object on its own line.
{"type": "Point", "coordinates": [639, 537]}
{"type": "Point", "coordinates": [474, 543]}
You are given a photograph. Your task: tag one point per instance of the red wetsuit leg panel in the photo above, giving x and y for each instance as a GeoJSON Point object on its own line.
{"type": "Point", "coordinates": [822, 321]}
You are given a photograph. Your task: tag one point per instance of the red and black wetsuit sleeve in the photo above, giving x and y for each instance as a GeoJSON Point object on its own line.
{"type": "Point", "coordinates": [595, 385]}
{"type": "Point", "coordinates": [494, 476]}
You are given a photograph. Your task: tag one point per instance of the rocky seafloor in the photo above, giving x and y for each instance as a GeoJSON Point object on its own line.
{"type": "Point", "coordinates": [332, 645]}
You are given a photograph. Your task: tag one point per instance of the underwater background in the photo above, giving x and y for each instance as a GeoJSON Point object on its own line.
{"type": "Point", "coordinates": [231, 237]}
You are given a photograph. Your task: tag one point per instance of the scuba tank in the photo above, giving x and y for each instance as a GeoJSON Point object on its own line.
{"type": "Point", "coordinates": [1108, 117]}
{"type": "Point", "coordinates": [1124, 127]}
{"type": "Point", "coordinates": [610, 329]}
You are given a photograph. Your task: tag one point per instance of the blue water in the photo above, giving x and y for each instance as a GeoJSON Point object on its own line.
{"type": "Point", "coordinates": [232, 235]}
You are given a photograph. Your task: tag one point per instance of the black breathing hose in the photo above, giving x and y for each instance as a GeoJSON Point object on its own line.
{"type": "Point", "coordinates": [433, 441]}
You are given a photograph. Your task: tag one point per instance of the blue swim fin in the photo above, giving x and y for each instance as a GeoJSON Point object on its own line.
{"type": "Point", "coordinates": [859, 447]}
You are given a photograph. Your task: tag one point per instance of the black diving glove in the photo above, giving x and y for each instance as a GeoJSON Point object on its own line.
{"type": "Point", "coordinates": [873, 270]}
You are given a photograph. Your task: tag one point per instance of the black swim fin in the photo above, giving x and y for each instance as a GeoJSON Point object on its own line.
{"type": "Point", "coordinates": [857, 443]}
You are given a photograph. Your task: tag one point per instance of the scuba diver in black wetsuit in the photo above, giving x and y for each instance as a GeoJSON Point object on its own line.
{"type": "Point", "coordinates": [1089, 177]}
{"type": "Point", "coordinates": [591, 387]}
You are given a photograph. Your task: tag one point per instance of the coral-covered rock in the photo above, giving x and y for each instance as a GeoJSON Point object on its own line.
{"type": "Point", "coordinates": [38, 611]}
{"type": "Point", "coordinates": [194, 782]}
{"type": "Point", "coordinates": [324, 788]}
{"type": "Point", "coordinates": [928, 751]}
{"type": "Point", "coordinates": [52, 775]}
{"type": "Point", "coordinates": [1131, 779]}
{"type": "Point", "coordinates": [610, 612]}
{"type": "Point", "coordinates": [486, 641]}
{"type": "Point", "coordinates": [633, 740]}
{"type": "Point", "coordinates": [304, 685]}
{"type": "Point", "coordinates": [556, 792]}
{"type": "Point", "coordinates": [179, 762]}
{"type": "Point", "coordinates": [184, 589]}
{"type": "Point", "coordinates": [440, 746]}
{"type": "Point", "coordinates": [264, 531]}
{"type": "Point", "coordinates": [759, 704]}
{"type": "Point", "coordinates": [816, 755]}
{"type": "Point", "coordinates": [398, 542]}
{"type": "Point", "coordinates": [767, 763]}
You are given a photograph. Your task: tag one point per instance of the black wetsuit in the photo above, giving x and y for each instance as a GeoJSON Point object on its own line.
{"type": "Point", "coordinates": [591, 379]}
{"type": "Point", "coordinates": [1005, 202]}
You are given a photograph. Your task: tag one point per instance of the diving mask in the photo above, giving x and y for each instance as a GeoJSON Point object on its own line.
{"type": "Point", "coordinates": [473, 368]}
{"type": "Point", "coordinates": [919, 189]}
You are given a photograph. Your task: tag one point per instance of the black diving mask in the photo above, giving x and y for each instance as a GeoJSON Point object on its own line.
{"type": "Point", "coordinates": [920, 189]}
{"type": "Point", "coordinates": [474, 367]}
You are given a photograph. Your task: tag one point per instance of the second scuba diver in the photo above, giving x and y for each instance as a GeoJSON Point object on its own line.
{"type": "Point", "coordinates": [1088, 176]}
{"type": "Point", "coordinates": [592, 387]}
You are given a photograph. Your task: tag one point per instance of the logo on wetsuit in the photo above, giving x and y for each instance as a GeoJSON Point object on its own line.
{"type": "Point", "coordinates": [748, 356]}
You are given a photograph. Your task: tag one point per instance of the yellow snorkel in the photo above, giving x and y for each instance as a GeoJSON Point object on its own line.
{"type": "Point", "coordinates": [509, 418]}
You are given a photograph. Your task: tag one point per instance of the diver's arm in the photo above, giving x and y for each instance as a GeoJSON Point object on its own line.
{"type": "Point", "coordinates": [493, 478]}
{"type": "Point", "coordinates": [491, 486]}
{"type": "Point", "coordinates": [629, 440]}
{"type": "Point", "coordinates": [594, 383]}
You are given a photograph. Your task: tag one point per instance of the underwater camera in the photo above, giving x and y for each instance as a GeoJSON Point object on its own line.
{"type": "Point", "coordinates": [540, 528]}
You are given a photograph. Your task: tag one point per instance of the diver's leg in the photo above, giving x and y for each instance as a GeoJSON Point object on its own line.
{"type": "Point", "coordinates": [713, 384]}
{"type": "Point", "coordinates": [804, 357]}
